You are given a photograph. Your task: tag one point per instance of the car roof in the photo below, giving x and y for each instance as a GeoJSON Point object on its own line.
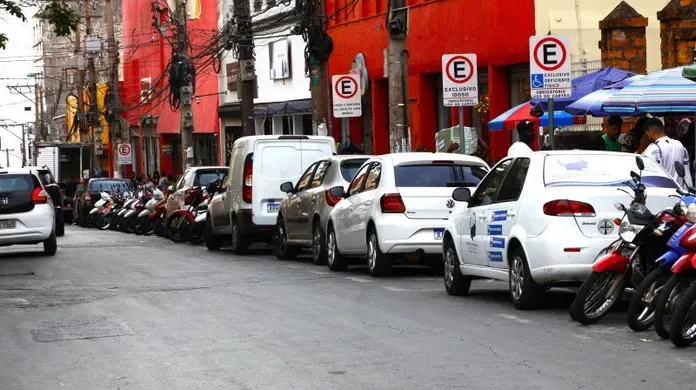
{"type": "Point", "coordinates": [19, 171]}
{"type": "Point", "coordinates": [253, 138]}
{"type": "Point", "coordinates": [399, 158]}
{"type": "Point", "coordinates": [107, 178]}
{"type": "Point", "coordinates": [343, 157]}
{"type": "Point", "coordinates": [208, 168]}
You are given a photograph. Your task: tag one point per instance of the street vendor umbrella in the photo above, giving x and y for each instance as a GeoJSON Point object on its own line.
{"type": "Point", "coordinates": [510, 118]}
{"type": "Point", "coordinates": [591, 104]}
{"type": "Point", "coordinates": [584, 85]}
{"type": "Point", "coordinates": [659, 93]}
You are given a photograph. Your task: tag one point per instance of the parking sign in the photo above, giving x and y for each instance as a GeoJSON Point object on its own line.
{"type": "Point", "coordinates": [549, 67]}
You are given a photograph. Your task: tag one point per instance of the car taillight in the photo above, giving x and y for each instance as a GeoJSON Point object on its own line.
{"type": "Point", "coordinates": [248, 180]}
{"type": "Point", "coordinates": [392, 203]}
{"type": "Point", "coordinates": [568, 208]}
{"type": "Point", "coordinates": [39, 196]}
{"type": "Point", "coordinates": [330, 199]}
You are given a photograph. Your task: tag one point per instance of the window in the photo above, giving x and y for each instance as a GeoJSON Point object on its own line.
{"type": "Point", "coordinates": [306, 177]}
{"type": "Point", "coordinates": [203, 178]}
{"type": "Point", "coordinates": [119, 186]}
{"type": "Point", "coordinates": [356, 185]}
{"type": "Point", "coordinates": [439, 175]}
{"type": "Point", "coordinates": [186, 180]}
{"type": "Point", "coordinates": [267, 126]}
{"type": "Point", "coordinates": [320, 173]}
{"type": "Point", "coordinates": [487, 191]}
{"type": "Point", "coordinates": [270, 4]}
{"type": "Point", "coordinates": [350, 167]}
{"type": "Point", "coordinates": [514, 181]}
{"type": "Point", "coordinates": [372, 180]}
{"type": "Point", "coordinates": [258, 5]}
{"type": "Point", "coordinates": [15, 183]}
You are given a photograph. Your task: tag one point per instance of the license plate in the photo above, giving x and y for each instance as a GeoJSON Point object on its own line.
{"type": "Point", "coordinates": [273, 207]}
{"type": "Point", "coordinates": [8, 224]}
{"type": "Point", "coordinates": [439, 234]}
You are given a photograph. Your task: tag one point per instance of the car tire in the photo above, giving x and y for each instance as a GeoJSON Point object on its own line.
{"type": "Point", "coordinates": [212, 241]}
{"type": "Point", "coordinates": [50, 246]}
{"type": "Point", "coordinates": [239, 244]}
{"type": "Point", "coordinates": [281, 249]}
{"type": "Point", "coordinates": [456, 284]}
{"type": "Point", "coordinates": [335, 260]}
{"type": "Point", "coordinates": [318, 244]}
{"type": "Point", "coordinates": [378, 263]}
{"type": "Point", "coordinates": [60, 224]}
{"type": "Point", "coordinates": [524, 292]}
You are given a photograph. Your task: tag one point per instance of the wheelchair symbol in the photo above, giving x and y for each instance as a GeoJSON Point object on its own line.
{"type": "Point", "coordinates": [538, 80]}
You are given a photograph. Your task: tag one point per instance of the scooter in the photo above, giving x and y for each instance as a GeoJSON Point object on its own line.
{"type": "Point", "coordinates": [143, 222]}
{"type": "Point", "coordinates": [96, 210]}
{"type": "Point", "coordinates": [117, 223]}
{"type": "Point", "coordinates": [180, 221]}
{"type": "Point", "coordinates": [196, 234]}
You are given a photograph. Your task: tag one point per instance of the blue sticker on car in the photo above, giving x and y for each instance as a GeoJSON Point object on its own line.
{"type": "Point", "coordinates": [495, 230]}
{"type": "Point", "coordinates": [495, 256]}
{"type": "Point", "coordinates": [498, 242]}
{"type": "Point", "coordinates": [499, 215]}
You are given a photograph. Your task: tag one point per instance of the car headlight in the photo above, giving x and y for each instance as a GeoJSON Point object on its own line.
{"type": "Point", "coordinates": [628, 231]}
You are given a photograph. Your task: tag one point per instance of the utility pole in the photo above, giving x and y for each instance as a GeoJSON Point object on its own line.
{"type": "Point", "coordinates": [7, 156]}
{"type": "Point", "coordinates": [245, 47]}
{"type": "Point", "coordinates": [115, 104]}
{"type": "Point", "coordinates": [318, 70]}
{"type": "Point", "coordinates": [93, 103]}
{"type": "Point", "coordinates": [186, 88]}
{"type": "Point", "coordinates": [80, 114]}
{"type": "Point", "coordinates": [399, 131]}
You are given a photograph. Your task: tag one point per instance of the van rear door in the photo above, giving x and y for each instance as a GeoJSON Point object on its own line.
{"type": "Point", "coordinates": [275, 162]}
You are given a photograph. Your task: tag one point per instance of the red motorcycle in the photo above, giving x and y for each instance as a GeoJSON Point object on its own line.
{"type": "Point", "coordinates": [674, 317]}
{"type": "Point", "coordinates": [180, 221]}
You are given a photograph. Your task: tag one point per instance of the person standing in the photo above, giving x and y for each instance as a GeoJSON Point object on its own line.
{"type": "Point", "coordinates": [525, 132]}
{"type": "Point", "coordinates": [163, 182]}
{"type": "Point", "coordinates": [666, 151]}
{"type": "Point", "coordinates": [77, 204]}
{"type": "Point", "coordinates": [612, 131]}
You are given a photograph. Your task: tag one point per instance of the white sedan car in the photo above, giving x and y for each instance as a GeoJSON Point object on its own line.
{"type": "Point", "coordinates": [540, 220]}
{"type": "Point", "coordinates": [26, 211]}
{"type": "Point", "coordinates": [397, 204]}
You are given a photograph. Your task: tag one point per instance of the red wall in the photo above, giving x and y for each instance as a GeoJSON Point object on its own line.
{"type": "Point", "coordinates": [497, 31]}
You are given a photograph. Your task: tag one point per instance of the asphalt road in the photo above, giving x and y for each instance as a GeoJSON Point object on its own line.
{"type": "Point", "coordinates": [112, 311]}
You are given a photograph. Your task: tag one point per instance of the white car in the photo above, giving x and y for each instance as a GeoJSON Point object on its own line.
{"type": "Point", "coordinates": [27, 216]}
{"type": "Point", "coordinates": [540, 220]}
{"type": "Point", "coordinates": [398, 204]}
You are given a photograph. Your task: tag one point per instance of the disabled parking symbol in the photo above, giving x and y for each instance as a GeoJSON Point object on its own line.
{"type": "Point", "coordinates": [538, 80]}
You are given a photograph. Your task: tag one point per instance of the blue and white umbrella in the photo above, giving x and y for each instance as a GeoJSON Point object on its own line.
{"type": "Point", "coordinates": [510, 118]}
{"type": "Point", "coordinates": [591, 104]}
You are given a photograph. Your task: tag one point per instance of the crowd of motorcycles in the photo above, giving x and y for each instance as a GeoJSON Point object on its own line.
{"type": "Point", "coordinates": [143, 212]}
{"type": "Point", "coordinates": [655, 255]}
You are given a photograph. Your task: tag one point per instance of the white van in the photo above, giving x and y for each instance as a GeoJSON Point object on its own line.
{"type": "Point", "coordinates": [246, 208]}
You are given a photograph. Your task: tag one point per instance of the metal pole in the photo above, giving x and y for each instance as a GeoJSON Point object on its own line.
{"type": "Point", "coordinates": [552, 127]}
{"type": "Point", "coordinates": [460, 109]}
{"type": "Point", "coordinates": [24, 148]}
{"type": "Point", "coordinates": [345, 132]}
{"type": "Point", "coordinates": [81, 169]}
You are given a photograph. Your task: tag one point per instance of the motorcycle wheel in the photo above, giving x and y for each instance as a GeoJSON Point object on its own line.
{"type": "Point", "coordinates": [641, 309]}
{"type": "Point", "coordinates": [598, 293]}
{"type": "Point", "coordinates": [138, 230]}
{"type": "Point", "coordinates": [105, 221]}
{"type": "Point", "coordinates": [666, 301]}
{"type": "Point", "coordinates": [197, 235]}
{"type": "Point", "coordinates": [683, 328]}
{"type": "Point", "coordinates": [147, 227]}
{"type": "Point", "coordinates": [91, 220]}
{"type": "Point", "coordinates": [159, 226]}
{"type": "Point", "coordinates": [178, 229]}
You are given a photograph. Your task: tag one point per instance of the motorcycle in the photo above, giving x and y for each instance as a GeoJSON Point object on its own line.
{"type": "Point", "coordinates": [94, 214]}
{"type": "Point", "coordinates": [130, 217]}
{"type": "Point", "coordinates": [143, 222]}
{"type": "Point", "coordinates": [107, 218]}
{"type": "Point", "coordinates": [642, 238]}
{"type": "Point", "coordinates": [196, 234]}
{"type": "Point", "coordinates": [157, 218]}
{"type": "Point", "coordinates": [118, 222]}
{"type": "Point", "coordinates": [181, 221]}
{"type": "Point", "coordinates": [680, 320]}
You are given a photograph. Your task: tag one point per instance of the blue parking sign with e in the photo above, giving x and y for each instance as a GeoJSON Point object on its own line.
{"type": "Point", "coordinates": [538, 80]}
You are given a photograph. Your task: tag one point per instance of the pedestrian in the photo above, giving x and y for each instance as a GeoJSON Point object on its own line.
{"type": "Point", "coordinates": [635, 140]}
{"type": "Point", "coordinates": [79, 192]}
{"type": "Point", "coordinates": [612, 131]}
{"type": "Point", "coordinates": [155, 178]}
{"type": "Point", "coordinates": [148, 185]}
{"type": "Point", "coordinates": [666, 151]}
{"type": "Point", "coordinates": [525, 132]}
{"type": "Point", "coordinates": [163, 182]}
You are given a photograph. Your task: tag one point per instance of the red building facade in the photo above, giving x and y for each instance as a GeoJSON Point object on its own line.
{"type": "Point", "coordinates": [144, 93]}
{"type": "Point", "coordinates": [497, 31]}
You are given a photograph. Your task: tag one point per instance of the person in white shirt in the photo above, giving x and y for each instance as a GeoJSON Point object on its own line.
{"type": "Point", "coordinates": [523, 147]}
{"type": "Point", "coordinates": [666, 151]}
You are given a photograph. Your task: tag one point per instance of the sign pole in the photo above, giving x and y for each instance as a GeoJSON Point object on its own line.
{"type": "Point", "coordinates": [461, 129]}
{"type": "Point", "coordinates": [345, 132]}
{"type": "Point", "coordinates": [552, 127]}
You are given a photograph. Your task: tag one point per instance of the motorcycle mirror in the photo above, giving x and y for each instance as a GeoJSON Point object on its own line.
{"type": "Point", "coordinates": [635, 176]}
{"type": "Point", "coordinates": [679, 167]}
{"type": "Point", "coordinates": [639, 163]}
{"type": "Point", "coordinates": [618, 206]}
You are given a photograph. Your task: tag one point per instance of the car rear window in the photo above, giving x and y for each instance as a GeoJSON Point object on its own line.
{"type": "Point", "coordinates": [602, 170]}
{"type": "Point", "coordinates": [204, 178]}
{"type": "Point", "coordinates": [16, 183]}
{"type": "Point", "coordinates": [118, 186]}
{"type": "Point", "coordinates": [280, 161]}
{"type": "Point", "coordinates": [350, 167]}
{"type": "Point", "coordinates": [439, 175]}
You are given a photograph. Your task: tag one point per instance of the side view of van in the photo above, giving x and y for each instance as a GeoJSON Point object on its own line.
{"type": "Point", "coordinates": [245, 209]}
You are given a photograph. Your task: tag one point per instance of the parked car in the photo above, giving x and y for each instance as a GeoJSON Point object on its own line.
{"type": "Point", "coordinates": [27, 214]}
{"type": "Point", "coordinates": [304, 213]}
{"type": "Point", "coordinates": [541, 220]}
{"type": "Point", "coordinates": [55, 190]}
{"type": "Point", "coordinates": [93, 194]}
{"type": "Point", "coordinates": [247, 210]}
{"type": "Point", "coordinates": [397, 205]}
{"type": "Point", "coordinates": [192, 177]}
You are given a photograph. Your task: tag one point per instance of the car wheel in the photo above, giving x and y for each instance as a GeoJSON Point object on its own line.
{"type": "Point", "coordinates": [50, 245]}
{"type": "Point", "coordinates": [524, 291]}
{"type": "Point", "coordinates": [456, 284]}
{"type": "Point", "coordinates": [60, 224]}
{"type": "Point", "coordinates": [239, 244]}
{"type": "Point", "coordinates": [212, 241]}
{"type": "Point", "coordinates": [378, 264]}
{"type": "Point", "coordinates": [318, 244]}
{"type": "Point", "coordinates": [336, 261]}
{"type": "Point", "coordinates": [281, 249]}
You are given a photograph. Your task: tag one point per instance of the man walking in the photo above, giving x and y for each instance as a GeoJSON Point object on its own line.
{"type": "Point", "coordinates": [666, 151]}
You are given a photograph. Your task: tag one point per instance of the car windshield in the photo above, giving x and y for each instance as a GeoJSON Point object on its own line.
{"type": "Point", "coordinates": [601, 170]}
{"type": "Point", "coordinates": [439, 175]}
{"type": "Point", "coordinates": [12, 183]}
{"type": "Point", "coordinates": [118, 186]}
{"type": "Point", "coordinates": [350, 167]}
{"type": "Point", "coordinates": [204, 178]}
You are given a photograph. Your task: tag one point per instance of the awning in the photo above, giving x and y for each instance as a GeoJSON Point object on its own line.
{"type": "Point", "coordinates": [303, 106]}
{"type": "Point", "coordinates": [230, 110]}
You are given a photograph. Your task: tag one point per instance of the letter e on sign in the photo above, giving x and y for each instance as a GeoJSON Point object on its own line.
{"type": "Point", "coordinates": [347, 101]}
{"type": "Point", "coordinates": [459, 80]}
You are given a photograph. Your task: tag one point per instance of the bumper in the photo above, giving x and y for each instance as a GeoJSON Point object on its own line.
{"type": "Point", "coordinates": [249, 228]}
{"type": "Point", "coordinates": [399, 234]}
{"type": "Point", "coordinates": [32, 227]}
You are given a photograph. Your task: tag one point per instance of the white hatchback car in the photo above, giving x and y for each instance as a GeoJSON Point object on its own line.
{"type": "Point", "coordinates": [540, 220]}
{"type": "Point", "coordinates": [398, 204]}
{"type": "Point", "coordinates": [27, 216]}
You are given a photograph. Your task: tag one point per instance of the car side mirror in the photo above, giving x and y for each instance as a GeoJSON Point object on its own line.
{"type": "Point", "coordinates": [287, 187]}
{"type": "Point", "coordinates": [212, 188]}
{"type": "Point", "coordinates": [461, 194]}
{"type": "Point", "coordinates": [338, 192]}
{"type": "Point", "coordinates": [679, 167]}
{"type": "Point", "coordinates": [639, 163]}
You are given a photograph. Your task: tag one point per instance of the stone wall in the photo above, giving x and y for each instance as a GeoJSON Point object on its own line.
{"type": "Point", "coordinates": [623, 43]}
{"type": "Point", "coordinates": [677, 33]}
